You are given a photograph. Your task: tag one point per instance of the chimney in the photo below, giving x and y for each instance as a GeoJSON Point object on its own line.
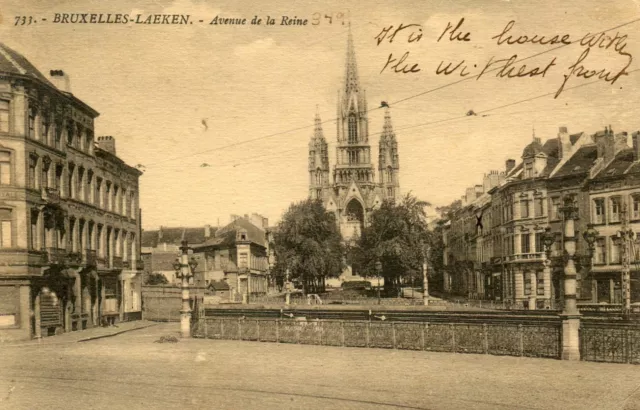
{"type": "Point", "coordinates": [636, 145]}
{"type": "Point", "coordinates": [207, 231]}
{"type": "Point", "coordinates": [107, 143]}
{"type": "Point", "coordinates": [510, 164]}
{"type": "Point", "coordinates": [564, 142]}
{"type": "Point", "coordinates": [61, 80]}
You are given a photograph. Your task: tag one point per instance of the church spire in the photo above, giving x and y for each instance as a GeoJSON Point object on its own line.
{"type": "Point", "coordinates": [387, 128]}
{"type": "Point", "coordinates": [388, 160]}
{"type": "Point", "coordinates": [318, 134]}
{"type": "Point", "coordinates": [351, 70]}
{"type": "Point", "coordinates": [318, 161]}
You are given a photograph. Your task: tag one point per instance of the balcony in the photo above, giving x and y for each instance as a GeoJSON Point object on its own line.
{"type": "Point", "coordinates": [56, 256]}
{"type": "Point", "coordinates": [102, 262]}
{"type": "Point", "coordinates": [527, 257]}
{"type": "Point", "coordinates": [74, 258]}
{"type": "Point", "coordinates": [90, 257]}
{"type": "Point", "coordinates": [117, 263]}
{"type": "Point", "coordinates": [51, 195]}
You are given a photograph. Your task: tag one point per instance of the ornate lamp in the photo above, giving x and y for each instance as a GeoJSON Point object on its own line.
{"type": "Point", "coordinates": [548, 239]}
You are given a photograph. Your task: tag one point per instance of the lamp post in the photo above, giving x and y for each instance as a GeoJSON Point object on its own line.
{"type": "Point", "coordinates": [570, 314]}
{"type": "Point", "coordinates": [425, 278]}
{"type": "Point", "coordinates": [590, 236]}
{"type": "Point", "coordinates": [287, 286]}
{"type": "Point", "coordinates": [378, 273]}
{"type": "Point", "coordinates": [548, 239]}
{"type": "Point", "coordinates": [184, 270]}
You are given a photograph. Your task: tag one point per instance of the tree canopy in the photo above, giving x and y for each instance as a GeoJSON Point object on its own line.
{"type": "Point", "coordinates": [398, 236]}
{"type": "Point", "coordinates": [307, 241]}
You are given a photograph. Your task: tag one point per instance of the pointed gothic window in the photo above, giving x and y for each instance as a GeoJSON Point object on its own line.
{"type": "Point", "coordinates": [353, 129]}
{"type": "Point", "coordinates": [389, 175]}
{"type": "Point", "coordinates": [318, 177]}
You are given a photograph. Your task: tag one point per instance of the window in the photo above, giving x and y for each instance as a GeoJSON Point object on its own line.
{"type": "Point", "coordinates": [635, 210]}
{"type": "Point", "coordinates": [390, 192]}
{"type": "Point", "coordinates": [318, 177]}
{"type": "Point", "coordinates": [58, 134]}
{"type": "Point", "coordinates": [539, 244]}
{"type": "Point", "coordinates": [539, 206]}
{"type": "Point", "coordinates": [600, 251]}
{"type": "Point", "coordinates": [33, 240]}
{"type": "Point", "coordinates": [33, 163]}
{"type": "Point", "coordinates": [555, 208]}
{"type": "Point", "coordinates": [5, 168]}
{"type": "Point", "coordinates": [615, 250]}
{"type": "Point", "coordinates": [525, 246]}
{"type": "Point", "coordinates": [540, 287]}
{"type": "Point", "coordinates": [4, 116]}
{"type": "Point", "coordinates": [70, 133]}
{"type": "Point", "coordinates": [44, 130]}
{"type": "Point", "coordinates": [527, 283]}
{"type": "Point", "coordinates": [319, 193]}
{"type": "Point", "coordinates": [598, 211]}
{"type": "Point", "coordinates": [242, 261]}
{"type": "Point", "coordinates": [32, 122]}
{"type": "Point", "coordinates": [614, 216]}
{"type": "Point", "coordinates": [353, 129]}
{"type": "Point", "coordinates": [524, 209]}
{"type": "Point", "coordinates": [389, 174]}
{"type": "Point", "coordinates": [5, 228]}
{"type": "Point", "coordinates": [528, 169]}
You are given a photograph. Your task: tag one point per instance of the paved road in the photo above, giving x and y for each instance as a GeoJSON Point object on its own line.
{"type": "Point", "coordinates": [130, 371]}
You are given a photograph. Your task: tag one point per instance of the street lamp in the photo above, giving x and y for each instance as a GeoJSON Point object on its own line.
{"type": "Point", "coordinates": [184, 270]}
{"type": "Point", "coordinates": [590, 237]}
{"type": "Point", "coordinates": [571, 316]}
{"type": "Point", "coordinates": [425, 279]}
{"type": "Point", "coordinates": [548, 239]}
{"type": "Point", "coordinates": [378, 273]}
{"type": "Point", "coordinates": [624, 237]}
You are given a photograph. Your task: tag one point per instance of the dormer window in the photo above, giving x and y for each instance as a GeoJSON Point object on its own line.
{"type": "Point", "coordinates": [528, 169]}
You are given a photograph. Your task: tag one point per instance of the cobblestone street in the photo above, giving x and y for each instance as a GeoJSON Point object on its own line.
{"type": "Point", "coordinates": [130, 371]}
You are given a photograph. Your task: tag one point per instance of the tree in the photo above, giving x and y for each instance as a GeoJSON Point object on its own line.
{"type": "Point", "coordinates": [397, 236]}
{"type": "Point", "coordinates": [156, 279]}
{"type": "Point", "coordinates": [308, 243]}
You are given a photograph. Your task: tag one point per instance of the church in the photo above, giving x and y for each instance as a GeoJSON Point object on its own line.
{"type": "Point", "coordinates": [354, 191]}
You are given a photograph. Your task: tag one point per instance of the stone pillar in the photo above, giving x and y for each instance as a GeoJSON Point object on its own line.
{"type": "Point", "coordinates": [77, 288]}
{"type": "Point", "coordinates": [570, 315]}
{"type": "Point", "coordinates": [546, 275]}
{"type": "Point", "coordinates": [533, 281]}
{"type": "Point", "coordinates": [25, 308]}
{"type": "Point", "coordinates": [36, 313]}
{"type": "Point", "coordinates": [519, 284]}
{"type": "Point", "coordinates": [612, 291]}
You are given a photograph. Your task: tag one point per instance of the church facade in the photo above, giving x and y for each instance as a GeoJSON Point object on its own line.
{"type": "Point", "coordinates": [353, 190]}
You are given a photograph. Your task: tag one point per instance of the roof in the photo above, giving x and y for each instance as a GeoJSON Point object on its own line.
{"type": "Point", "coordinates": [226, 236]}
{"type": "Point", "coordinates": [533, 149]}
{"type": "Point", "coordinates": [13, 62]}
{"type": "Point", "coordinates": [620, 164]}
{"type": "Point", "coordinates": [219, 285]}
{"type": "Point", "coordinates": [579, 163]}
{"type": "Point", "coordinates": [174, 236]}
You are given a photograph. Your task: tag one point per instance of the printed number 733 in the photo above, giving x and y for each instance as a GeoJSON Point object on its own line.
{"type": "Point", "coordinates": [24, 20]}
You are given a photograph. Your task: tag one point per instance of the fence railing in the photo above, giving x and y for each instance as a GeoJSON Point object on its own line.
{"type": "Point", "coordinates": [528, 339]}
{"type": "Point", "coordinates": [610, 342]}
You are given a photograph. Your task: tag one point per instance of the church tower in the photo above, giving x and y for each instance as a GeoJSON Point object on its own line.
{"type": "Point", "coordinates": [319, 182]}
{"type": "Point", "coordinates": [388, 163]}
{"type": "Point", "coordinates": [353, 153]}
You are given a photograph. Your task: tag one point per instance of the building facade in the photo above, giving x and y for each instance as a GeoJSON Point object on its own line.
{"type": "Point", "coordinates": [238, 256]}
{"type": "Point", "coordinates": [70, 219]}
{"type": "Point", "coordinates": [353, 192]}
{"type": "Point", "coordinates": [500, 255]}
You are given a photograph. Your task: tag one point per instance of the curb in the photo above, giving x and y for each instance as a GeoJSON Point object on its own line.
{"type": "Point", "coordinates": [114, 334]}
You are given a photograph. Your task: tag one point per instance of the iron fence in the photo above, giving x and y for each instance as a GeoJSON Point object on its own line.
{"type": "Point", "coordinates": [530, 339]}
{"type": "Point", "coordinates": [610, 342]}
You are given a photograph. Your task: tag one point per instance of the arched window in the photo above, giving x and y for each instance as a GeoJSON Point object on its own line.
{"type": "Point", "coordinates": [355, 212]}
{"type": "Point", "coordinates": [389, 174]}
{"type": "Point", "coordinates": [32, 122]}
{"type": "Point", "coordinates": [318, 177]}
{"type": "Point", "coordinates": [353, 129]}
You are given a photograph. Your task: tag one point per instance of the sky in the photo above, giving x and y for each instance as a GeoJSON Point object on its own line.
{"type": "Point", "coordinates": [257, 88]}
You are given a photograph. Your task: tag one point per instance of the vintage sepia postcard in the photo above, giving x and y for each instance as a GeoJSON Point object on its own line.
{"type": "Point", "coordinates": [319, 204]}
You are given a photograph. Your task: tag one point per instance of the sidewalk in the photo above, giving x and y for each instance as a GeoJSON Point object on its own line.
{"type": "Point", "coordinates": [86, 335]}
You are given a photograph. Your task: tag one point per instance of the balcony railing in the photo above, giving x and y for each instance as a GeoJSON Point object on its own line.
{"type": "Point", "coordinates": [74, 258]}
{"type": "Point", "coordinates": [126, 264]}
{"type": "Point", "coordinates": [117, 262]}
{"type": "Point", "coordinates": [102, 262]}
{"type": "Point", "coordinates": [535, 256]}
{"type": "Point", "coordinates": [90, 257]}
{"type": "Point", "coordinates": [56, 256]}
